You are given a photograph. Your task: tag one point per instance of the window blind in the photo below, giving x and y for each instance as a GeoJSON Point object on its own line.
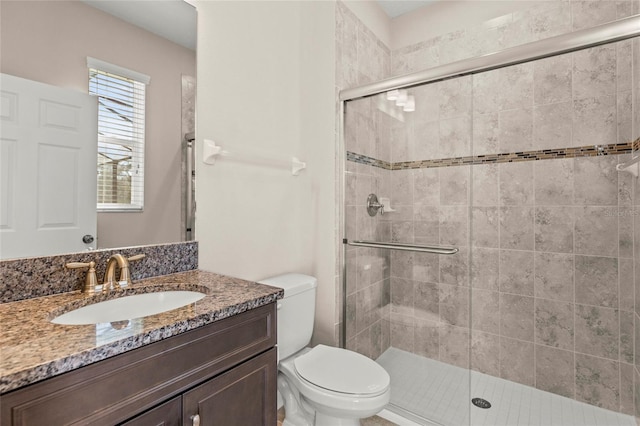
{"type": "Point", "coordinates": [121, 139]}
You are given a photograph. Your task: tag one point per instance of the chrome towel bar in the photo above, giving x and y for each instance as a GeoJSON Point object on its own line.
{"type": "Point", "coordinates": [405, 247]}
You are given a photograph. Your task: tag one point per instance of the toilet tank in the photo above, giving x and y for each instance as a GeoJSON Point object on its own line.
{"type": "Point", "coordinates": [295, 311]}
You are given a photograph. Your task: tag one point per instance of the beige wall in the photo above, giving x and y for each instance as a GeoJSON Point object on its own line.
{"type": "Point", "coordinates": [266, 87]}
{"type": "Point", "coordinates": [49, 41]}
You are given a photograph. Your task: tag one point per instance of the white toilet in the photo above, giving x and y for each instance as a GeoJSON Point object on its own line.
{"type": "Point", "coordinates": [322, 386]}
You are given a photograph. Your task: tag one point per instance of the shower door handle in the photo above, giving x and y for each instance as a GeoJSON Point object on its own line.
{"type": "Point", "coordinates": [405, 247]}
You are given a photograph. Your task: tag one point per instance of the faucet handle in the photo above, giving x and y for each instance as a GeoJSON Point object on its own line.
{"type": "Point", "coordinates": [125, 270]}
{"type": "Point", "coordinates": [136, 257]}
{"type": "Point", "coordinates": [91, 281]}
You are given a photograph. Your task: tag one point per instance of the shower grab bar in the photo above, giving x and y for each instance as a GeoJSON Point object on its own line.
{"type": "Point", "coordinates": [404, 247]}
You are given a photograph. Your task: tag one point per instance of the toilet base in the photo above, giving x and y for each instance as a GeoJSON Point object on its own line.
{"type": "Point", "coordinates": [325, 420]}
{"type": "Point", "coordinates": [309, 405]}
{"type": "Point", "coordinates": [295, 413]}
{"type": "Point", "coordinates": [298, 411]}
{"type": "Point", "coordinates": [301, 411]}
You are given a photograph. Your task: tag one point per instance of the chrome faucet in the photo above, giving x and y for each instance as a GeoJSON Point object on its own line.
{"type": "Point", "coordinates": [125, 273]}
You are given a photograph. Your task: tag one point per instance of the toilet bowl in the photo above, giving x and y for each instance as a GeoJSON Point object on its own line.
{"type": "Point", "coordinates": [321, 386]}
{"type": "Point", "coordinates": [336, 386]}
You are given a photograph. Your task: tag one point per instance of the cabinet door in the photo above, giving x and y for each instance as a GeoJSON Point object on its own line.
{"type": "Point", "coordinates": [167, 414]}
{"type": "Point", "coordinates": [244, 395]}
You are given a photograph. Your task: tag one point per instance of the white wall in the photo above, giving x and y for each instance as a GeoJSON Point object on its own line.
{"type": "Point", "coordinates": [266, 86]}
{"type": "Point", "coordinates": [49, 41]}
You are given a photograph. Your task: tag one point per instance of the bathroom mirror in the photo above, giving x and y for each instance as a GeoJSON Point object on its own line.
{"type": "Point", "coordinates": [49, 42]}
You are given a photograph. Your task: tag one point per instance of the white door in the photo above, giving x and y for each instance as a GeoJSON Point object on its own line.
{"type": "Point", "coordinates": [48, 151]}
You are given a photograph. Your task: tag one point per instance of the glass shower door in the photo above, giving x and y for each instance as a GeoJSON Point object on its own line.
{"type": "Point", "coordinates": [552, 244]}
{"type": "Point", "coordinates": [406, 307]}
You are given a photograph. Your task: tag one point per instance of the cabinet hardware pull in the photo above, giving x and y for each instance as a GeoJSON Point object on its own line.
{"type": "Point", "coordinates": [195, 420]}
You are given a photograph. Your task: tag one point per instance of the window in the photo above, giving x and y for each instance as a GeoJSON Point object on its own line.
{"type": "Point", "coordinates": [121, 135]}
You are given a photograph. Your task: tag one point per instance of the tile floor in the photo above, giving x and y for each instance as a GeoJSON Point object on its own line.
{"type": "Point", "coordinates": [369, 421]}
{"type": "Point", "coordinates": [440, 394]}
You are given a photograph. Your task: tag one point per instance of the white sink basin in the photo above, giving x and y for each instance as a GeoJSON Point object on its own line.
{"type": "Point", "coordinates": [128, 307]}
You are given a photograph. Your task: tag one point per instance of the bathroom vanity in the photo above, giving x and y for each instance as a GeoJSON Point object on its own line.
{"type": "Point", "coordinates": [212, 362]}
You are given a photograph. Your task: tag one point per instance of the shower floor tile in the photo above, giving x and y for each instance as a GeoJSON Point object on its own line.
{"type": "Point", "coordinates": [432, 392]}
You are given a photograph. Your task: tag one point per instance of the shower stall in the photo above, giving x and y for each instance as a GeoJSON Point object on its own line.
{"type": "Point", "coordinates": [491, 231]}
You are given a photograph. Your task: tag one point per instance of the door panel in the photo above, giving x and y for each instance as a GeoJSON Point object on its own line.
{"type": "Point", "coordinates": [57, 199]}
{"type": "Point", "coordinates": [48, 139]}
{"type": "Point", "coordinates": [8, 160]}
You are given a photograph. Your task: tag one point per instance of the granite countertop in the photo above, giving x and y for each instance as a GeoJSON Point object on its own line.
{"type": "Point", "coordinates": [33, 349]}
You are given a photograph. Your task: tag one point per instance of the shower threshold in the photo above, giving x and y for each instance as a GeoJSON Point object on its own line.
{"type": "Point", "coordinates": [431, 392]}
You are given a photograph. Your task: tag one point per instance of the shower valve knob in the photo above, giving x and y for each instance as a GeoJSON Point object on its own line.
{"type": "Point", "coordinates": [373, 206]}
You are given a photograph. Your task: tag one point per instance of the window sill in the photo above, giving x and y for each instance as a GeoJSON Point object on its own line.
{"type": "Point", "coordinates": [119, 209]}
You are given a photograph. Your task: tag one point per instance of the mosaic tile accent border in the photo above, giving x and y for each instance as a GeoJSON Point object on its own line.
{"type": "Point", "coordinates": [368, 161]}
{"type": "Point", "coordinates": [511, 157]}
{"type": "Point", "coordinates": [44, 276]}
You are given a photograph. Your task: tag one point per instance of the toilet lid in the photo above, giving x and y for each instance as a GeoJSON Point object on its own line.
{"type": "Point", "coordinates": [343, 371]}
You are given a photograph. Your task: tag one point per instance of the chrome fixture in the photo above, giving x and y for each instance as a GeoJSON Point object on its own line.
{"type": "Point", "coordinates": [125, 274]}
{"type": "Point", "coordinates": [481, 403]}
{"type": "Point", "coordinates": [91, 281]}
{"type": "Point", "coordinates": [188, 186]}
{"type": "Point", "coordinates": [403, 247]}
{"type": "Point", "coordinates": [373, 206]}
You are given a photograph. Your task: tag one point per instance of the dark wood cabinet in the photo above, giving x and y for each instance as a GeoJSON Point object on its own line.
{"type": "Point", "coordinates": [229, 363]}
{"type": "Point", "coordinates": [231, 398]}
{"type": "Point", "coordinates": [167, 414]}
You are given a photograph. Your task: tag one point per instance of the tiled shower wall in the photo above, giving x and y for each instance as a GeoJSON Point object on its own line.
{"type": "Point", "coordinates": [544, 20]}
{"type": "Point", "coordinates": [548, 284]}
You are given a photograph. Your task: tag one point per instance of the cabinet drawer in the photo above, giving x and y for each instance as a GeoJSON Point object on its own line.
{"type": "Point", "coordinates": [118, 388]}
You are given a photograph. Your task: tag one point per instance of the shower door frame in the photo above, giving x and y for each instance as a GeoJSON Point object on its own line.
{"type": "Point", "coordinates": [619, 30]}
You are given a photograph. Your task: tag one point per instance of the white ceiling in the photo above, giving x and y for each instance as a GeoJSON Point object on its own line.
{"type": "Point", "coordinates": [172, 19]}
{"type": "Point", "coordinates": [395, 8]}
{"type": "Point", "coordinates": [176, 19]}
